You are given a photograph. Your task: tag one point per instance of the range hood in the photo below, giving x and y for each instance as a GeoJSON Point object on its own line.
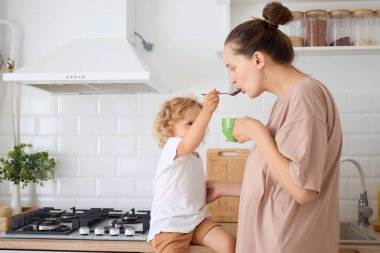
{"type": "Point", "coordinates": [91, 66]}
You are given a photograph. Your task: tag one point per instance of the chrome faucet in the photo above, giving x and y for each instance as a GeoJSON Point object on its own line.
{"type": "Point", "coordinates": [364, 211]}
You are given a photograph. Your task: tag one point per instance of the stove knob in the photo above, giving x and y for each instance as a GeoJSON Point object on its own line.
{"type": "Point", "coordinates": [84, 230]}
{"type": "Point", "coordinates": [99, 231]}
{"type": "Point", "coordinates": [114, 231]}
{"type": "Point", "coordinates": [129, 231]}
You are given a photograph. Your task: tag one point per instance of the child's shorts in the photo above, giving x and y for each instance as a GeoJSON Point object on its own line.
{"type": "Point", "coordinates": [180, 242]}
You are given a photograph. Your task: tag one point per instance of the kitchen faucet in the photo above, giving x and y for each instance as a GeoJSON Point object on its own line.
{"type": "Point", "coordinates": [364, 211]}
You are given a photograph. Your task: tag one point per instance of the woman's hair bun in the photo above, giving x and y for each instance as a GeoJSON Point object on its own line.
{"type": "Point", "coordinates": [276, 13]}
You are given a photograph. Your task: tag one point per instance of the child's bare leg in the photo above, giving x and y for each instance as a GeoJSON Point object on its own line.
{"type": "Point", "coordinates": [219, 240]}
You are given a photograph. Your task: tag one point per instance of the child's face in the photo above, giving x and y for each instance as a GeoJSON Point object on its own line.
{"type": "Point", "coordinates": [181, 127]}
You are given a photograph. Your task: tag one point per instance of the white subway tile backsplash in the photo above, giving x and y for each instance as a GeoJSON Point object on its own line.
{"type": "Point", "coordinates": [144, 187]}
{"type": "Point", "coordinates": [77, 104]}
{"type": "Point", "coordinates": [346, 145]}
{"type": "Point", "coordinates": [116, 187]}
{"type": "Point", "coordinates": [27, 125]}
{"type": "Point", "coordinates": [106, 155]}
{"type": "Point", "coordinates": [364, 145]}
{"type": "Point", "coordinates": [240, 105]}
{"type": "Point", "coordinates": [348, 209]}
{"type": "Point", "coordinates": [364, 102]}
{"type": "Point", "coordinates": [128, 125]}
{"type": "Point", "coordinates": [6, 125]}
{"type": "Point", "coordinates": [376, 167]}
{"type": "Point", "coordinates": [343, 188]}
{"type": "Point", "coordinates": [77, 145]}
{"type": "Point", "coordinates": [117, 104]}
{"type": "Point", "coordinates": [5, 103]}
{"type": "Point", "coordinates": [58, 125]}
{"type": "Point", "coordinates": [76, 187]}
{"type": "Point", "coordinates": [41, 143]}
{"type": "Point", "coordinates": [66, 166]}
{"type": "Point", "coordinates": [37, 105]}
{"type": "Point", "coordinates": [137, 166]}
{"type": "Point", "coordinates": [267, 101]}
{"type": "Point", "coordinates": [97, 125]}
{"type": "Point", "coordinates": [372, 185]}
{"type": "Point", "coordinates": [97, 166]}
{"type": "Point", "coordinates": [355, 123]}
{"type": "Point", "coordinates": [47, 190]}
{"type": "Point", "coordinates": [87, 203]}
{"type": "Point", "coordinates": [215, 126]}
{"type": "Point", "coordinates": [135, 125]}
{"type": "Point", "coordinates": [375, 126]}
{"type": "Point", "coordinates": [117, 145]}
{"type": "Point", "coordinates": [150, 104]}
{"type": "Point", "coordinates": [349, 170]}
{"type": "Point", "coordinates": [354, 188]}
{"type": "Point", "coordinates": [147, 145]}
{"type": "Point", "coordinates": [341, 101]}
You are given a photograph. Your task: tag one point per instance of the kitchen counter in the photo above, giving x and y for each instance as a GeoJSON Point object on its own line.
{"type": "Point", "coordinates": [133, 246]}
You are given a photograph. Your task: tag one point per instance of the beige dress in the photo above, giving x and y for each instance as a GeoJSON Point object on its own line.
{"type": "Point", "coordinates": [306, 126]}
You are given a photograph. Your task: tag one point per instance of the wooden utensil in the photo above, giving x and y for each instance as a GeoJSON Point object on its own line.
{"type": "Point", "coordinates": [225, 165]}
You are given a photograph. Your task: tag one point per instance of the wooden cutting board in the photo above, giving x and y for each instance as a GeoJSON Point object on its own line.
{"type": "Point", "coordinates": [225, 165]}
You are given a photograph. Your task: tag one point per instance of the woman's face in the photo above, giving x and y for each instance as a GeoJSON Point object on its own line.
{"type": "Point", "coordinates": [181, 127]}
{"type": "Point", "coordinates": [244, 73]}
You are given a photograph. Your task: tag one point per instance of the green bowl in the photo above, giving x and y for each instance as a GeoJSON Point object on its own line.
{"type": "Point", "coordinates": [228, 126]}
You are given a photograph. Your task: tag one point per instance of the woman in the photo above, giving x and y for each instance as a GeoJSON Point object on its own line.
{"type": "Point", "coordinates": [289, 195]}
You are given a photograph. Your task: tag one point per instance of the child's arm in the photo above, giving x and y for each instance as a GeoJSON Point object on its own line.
{"type": "Point", "coordinates": [196, 132]}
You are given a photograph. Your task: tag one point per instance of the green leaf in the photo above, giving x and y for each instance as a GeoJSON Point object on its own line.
{"type": "Point", "coordinates": [26, 167]}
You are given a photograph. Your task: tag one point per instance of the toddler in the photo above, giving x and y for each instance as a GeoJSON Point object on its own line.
{"type": "Point", "coordinates": [178, 216]}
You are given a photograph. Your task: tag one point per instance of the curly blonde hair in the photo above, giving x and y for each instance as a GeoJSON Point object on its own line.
{"type": "Point", "coordinates": [170, 113]}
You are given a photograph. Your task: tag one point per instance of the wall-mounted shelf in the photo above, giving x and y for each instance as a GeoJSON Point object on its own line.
{"type": "Point", "coordinates": [342, 50]}
{"type": "Point", "coordinates": [319, 51]}
{"type": "Point", "coordinates": [286, 1]}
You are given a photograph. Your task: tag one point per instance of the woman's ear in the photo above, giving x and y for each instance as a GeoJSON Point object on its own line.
{"type": "Point", "coordinates": [259, 58]}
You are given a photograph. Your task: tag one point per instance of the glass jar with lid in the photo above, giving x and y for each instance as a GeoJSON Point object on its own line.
{"type": "Point", "coordinates": [376, 26]}
{"type": "Point", "coordinates": [295, 29]}
{"type": "Point", "coordinates": [316, 28]}
{"type": "Point", "coordinates": [361, 27]}
{"type": "Point", "coordinates": [339, 28]}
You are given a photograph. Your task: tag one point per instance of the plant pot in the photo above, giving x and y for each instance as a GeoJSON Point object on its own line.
{"type": "Point", "coordinates": [16, 200]}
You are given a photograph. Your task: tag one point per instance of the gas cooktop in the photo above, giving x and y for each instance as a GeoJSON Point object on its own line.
{"type": "Point", "coordinates": [90, 224]}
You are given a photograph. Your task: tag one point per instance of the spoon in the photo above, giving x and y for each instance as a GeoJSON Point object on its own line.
{"type": "Point", "coordinates": [234, 93]}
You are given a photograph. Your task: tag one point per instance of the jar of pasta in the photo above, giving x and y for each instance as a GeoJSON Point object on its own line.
{"type": "Point", "coordinates": [316, 28]}
{"type": "Point", "coordinates": [295, 29]}
{"type": "Point", "coordinates": [376, 26]}
{"type": "Point", "coordinates": [339, 28]}
{"type": "Point", "coordinates": [361, 27]}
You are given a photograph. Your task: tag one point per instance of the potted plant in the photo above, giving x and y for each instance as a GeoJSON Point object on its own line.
{"type": "Point", "coordinates": [25, 167]}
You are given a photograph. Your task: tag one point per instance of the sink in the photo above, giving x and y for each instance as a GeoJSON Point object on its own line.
{"type": "Point", "coordinates": [350, 231]}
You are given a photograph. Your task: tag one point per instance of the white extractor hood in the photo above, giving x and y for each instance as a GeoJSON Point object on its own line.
{"type": "Point", "coordinates": [91, 66]}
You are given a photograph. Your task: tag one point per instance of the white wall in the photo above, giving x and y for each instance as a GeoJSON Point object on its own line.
{"type": "Point", "coordinates": [103, 145]}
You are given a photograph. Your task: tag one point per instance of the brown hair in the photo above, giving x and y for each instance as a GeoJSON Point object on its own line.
{"type": "Point", "coordinates": [170, 113]}
{"type": "Point", "coordinates": [263, 35]}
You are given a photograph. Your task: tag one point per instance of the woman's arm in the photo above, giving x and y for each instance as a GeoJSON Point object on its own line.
{"type": "Point", "coordinates": [252, 129]}
{"type": "Point", "coordinates": [217, 189]}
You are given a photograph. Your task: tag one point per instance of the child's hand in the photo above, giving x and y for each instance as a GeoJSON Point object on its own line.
{"type": "Point", "coordinates": [211, 101]}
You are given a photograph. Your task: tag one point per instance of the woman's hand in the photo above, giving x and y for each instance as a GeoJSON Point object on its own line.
{"type": "Point", "coordinates": [247, 128]}
{"type": "Point", "coordinates": [217, 189]}
{"type": "Point", "coordinates": [213, 192]}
